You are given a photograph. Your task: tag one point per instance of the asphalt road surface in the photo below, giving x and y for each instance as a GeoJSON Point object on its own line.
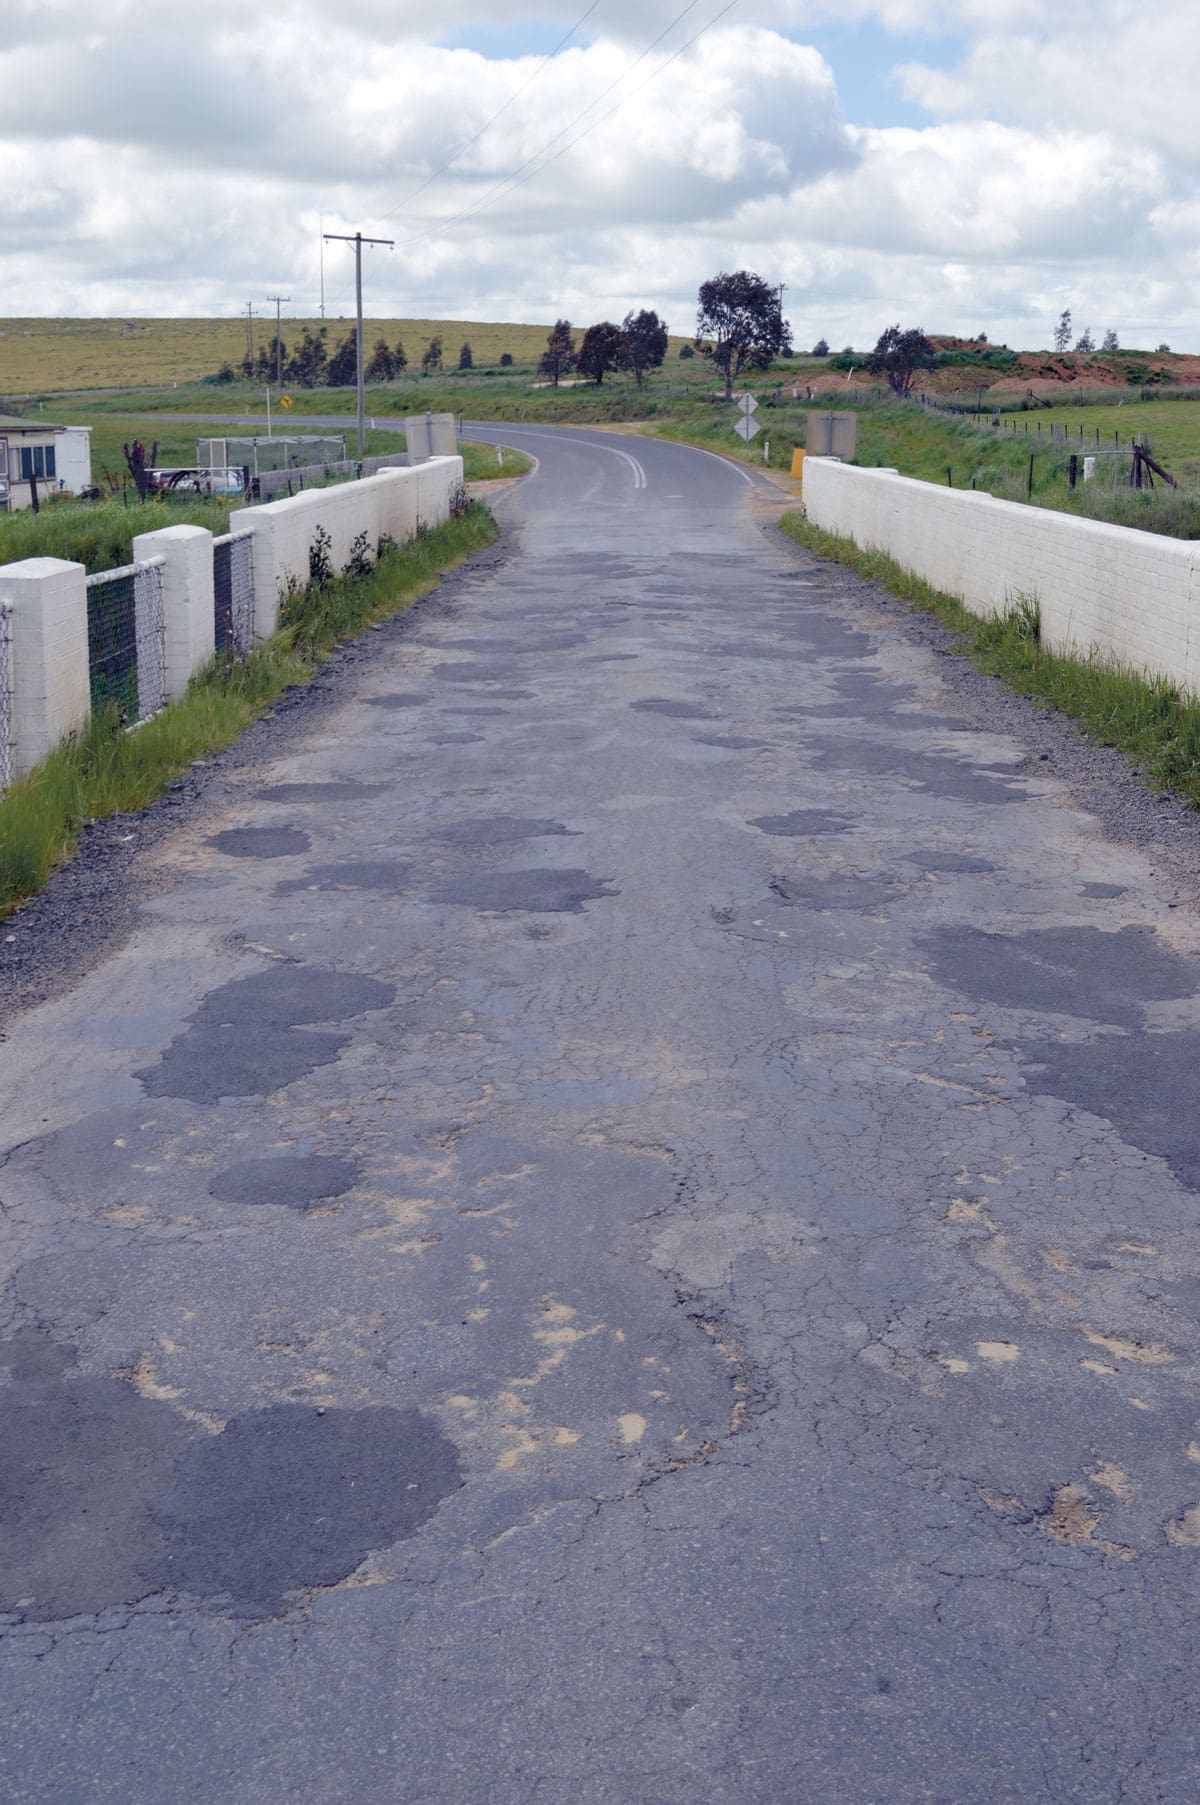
{"type": "Point", "coordinates": [622, 1226]}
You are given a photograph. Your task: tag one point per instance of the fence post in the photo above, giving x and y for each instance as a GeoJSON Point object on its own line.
{"type": "Point", "coordinates": [188, 608]}
{"type": "Point", "coordinates": [51, 690]}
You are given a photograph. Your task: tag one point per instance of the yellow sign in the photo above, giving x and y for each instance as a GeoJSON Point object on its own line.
{"type": "Point", "coordinates": [285, 401]}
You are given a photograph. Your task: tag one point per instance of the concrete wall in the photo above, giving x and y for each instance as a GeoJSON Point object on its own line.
{"type": "Point", "coordinates": [51, 688]}
{"type": "Point", "coordinates": [1106, 592]}
{"type": "Point", "coordinates": [391, 502]}
{"type": "Point", "coordinates": [187, 589]}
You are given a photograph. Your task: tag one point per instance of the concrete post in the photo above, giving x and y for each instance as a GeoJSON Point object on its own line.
{"type": "Point", "coordinates": [260, 523]}
{"type": "Point", "coordinates": [418, 437]}
{"type": "Point", "coordinates": [188, 609]}
{"type": "Point", "coordinates": [51, 689]}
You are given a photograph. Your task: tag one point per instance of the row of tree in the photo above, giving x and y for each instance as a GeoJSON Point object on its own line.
{"type": "Point", "coordinates": [313, 365]}
{"type": "Point", "coordinates": [739, 326]}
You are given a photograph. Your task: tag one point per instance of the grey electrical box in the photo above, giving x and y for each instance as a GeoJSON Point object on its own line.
{"type": "Point", "coordinates": [831, 435]}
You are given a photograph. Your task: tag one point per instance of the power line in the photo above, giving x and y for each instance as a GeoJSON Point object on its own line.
{"type": "Point", "coordinates": [507, 182]}
{"type": "Point", "coordinates": [518, 180]}
{"type": "Point", "coordinates": [488, 123]}
{"type": "Point", "coordinates": [358, 241]}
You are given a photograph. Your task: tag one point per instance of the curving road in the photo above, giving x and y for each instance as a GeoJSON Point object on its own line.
{"type": "Point", "coordinates": [621, 1226]}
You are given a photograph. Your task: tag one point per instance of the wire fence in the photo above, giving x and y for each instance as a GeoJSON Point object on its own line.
{"type": "Point", "coordinates": [127, 649]}
{"type": "Point", "coordinates": [233, 593]}
{"type": "Point", "coordinates": [269, 485]}
{"type": "Point", "coordinates": [6, 697]}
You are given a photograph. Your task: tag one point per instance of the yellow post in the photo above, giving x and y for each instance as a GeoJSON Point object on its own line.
{"type": "Point", "coordinates": [798, 464]}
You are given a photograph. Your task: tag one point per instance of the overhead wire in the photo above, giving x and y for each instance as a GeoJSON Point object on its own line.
{"type": "Point", "coordinates": [488, 123]}
{"type": "Point", "coordinates": [517, 179]}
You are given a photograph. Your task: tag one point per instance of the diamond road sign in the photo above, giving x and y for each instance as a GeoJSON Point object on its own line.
{"type": "Point", "coordinates": [746, 404]}
{"type": "Point", "coordinates": [746, 427]}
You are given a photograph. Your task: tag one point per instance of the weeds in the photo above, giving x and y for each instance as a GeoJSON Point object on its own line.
{"type": "Point", "coordinates": [106, 771]}
{"type": "Point", "coordinates": [1149, 718]}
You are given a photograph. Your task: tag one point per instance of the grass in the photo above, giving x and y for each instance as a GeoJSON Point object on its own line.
{"type": "Point", "coordinates": [99, 534]}
{"type": "Point", "coordinates": [1148, 718]}
{"type": "Point", "coordinates": [106, 771]}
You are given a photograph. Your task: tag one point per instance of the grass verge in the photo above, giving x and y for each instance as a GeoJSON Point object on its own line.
{"type": "Point", "coordinates": [1148, 718]}
{"type": "Point", "coordinates": [106, 771]}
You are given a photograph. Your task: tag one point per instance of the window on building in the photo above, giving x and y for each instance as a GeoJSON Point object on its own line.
{"type": "Point", "coordinates": [3, 457]}
{"type": "Point", "coordinates": [37, 460]}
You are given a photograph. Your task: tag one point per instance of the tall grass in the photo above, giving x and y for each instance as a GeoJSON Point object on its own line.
{"type": "Point", "coordinates": [1149, 718]}
{"type": "Point", "coordinates": [99, 534]}
{"type": "Point", "coordinates": [107, 771]}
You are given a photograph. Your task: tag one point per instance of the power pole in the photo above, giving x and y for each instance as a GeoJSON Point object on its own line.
{"type": "Point", "coordinates": [278, 300]}
{"type": "Point", "coordinates": [358, 242]}
{"type": "Point", "coordinates": [322, 250]}
{"type": "Point", "coordinates": [250, 335]}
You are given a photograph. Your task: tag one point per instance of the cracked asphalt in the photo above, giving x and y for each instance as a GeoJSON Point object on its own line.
{"type": "Point", "coordinates": [613, 1218]}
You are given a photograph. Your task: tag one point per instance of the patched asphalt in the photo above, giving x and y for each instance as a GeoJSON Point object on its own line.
{"type": "Point", "coordinates": [610, 1215]}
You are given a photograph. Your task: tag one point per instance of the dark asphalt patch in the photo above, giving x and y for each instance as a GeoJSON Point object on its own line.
{"type": "Point", "coordinates": [1104, 892]}
{"type": "Point", "coordinates": [802, 822]}
{"type": "Point", "coordinates": [952, 778]}
{"type": "Point", "coordinates": [397, 699]}
{"type": "Point", "coordinates": [108, 1497]}
{"type": "Point", "coordinates": [1105, 977]}
{"type": "Point", "coordinates": [1144, 1084]}
{"type": "Point", "coordinates": [538, 892]}
{"type": "Point", "coordinates": [295, 1182]}
{"type": "Point", "coordinates": [684, 711]}
{"type": "Point", "coordinates": [498, 830]}
{"type": "Point", "coordinates": [838, 892]}
{"type": "Point", "coordinates": [474, 673]}
{"type": "Point", "coordinates": [931, 859]}
{"type": "Point", "coordinates": [455, 739]}
{"type": "Point", "coordinates": [731, 742]}
{"type": "Point", "coordinates": [611, 658]}
{"type": "Point", "coordinates": [347, 791]}
{"type": "Point", "coordinates": [386, 875]}
{"type": "Point", "coordinates": [459, 709]}
{"type": "Point", "coordinates": [252, 1036]}
{"type": "Point", "coordinates": [261, 842]}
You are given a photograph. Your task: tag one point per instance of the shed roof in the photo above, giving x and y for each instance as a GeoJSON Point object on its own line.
{"type": "Point", "coordinates": [15, 423]}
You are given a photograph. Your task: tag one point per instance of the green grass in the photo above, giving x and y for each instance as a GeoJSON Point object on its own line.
{"type": "Point", "coordinates": [106, 771]}
{"type": "Point", "coordinates": [99, 534]}
{"type": "Point", "coordinates": [1148, 718]}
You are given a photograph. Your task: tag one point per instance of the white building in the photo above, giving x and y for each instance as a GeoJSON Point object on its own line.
{"type": "Point", "coordinates": [57, 460]}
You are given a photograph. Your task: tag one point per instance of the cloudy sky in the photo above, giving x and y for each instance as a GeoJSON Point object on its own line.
{"type": "Point", "coordinates": [963, 165]}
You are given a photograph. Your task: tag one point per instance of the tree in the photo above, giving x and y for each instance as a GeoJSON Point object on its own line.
{"type": "Point", "coordinates": [686, 351]}
{"type": "Point", "coordinates": [1110, 340]}
{"type": "Point", "coordinates": [603, 349]}
{"type": "Point", "coordinates": [506, 360]}
{"type": "Point", "coordinates": [982, 339]}
{"type": "Point", "coordinates": [558, 359]}
{"type": "Point", "coordinates": [1085, 342]}
{"type": "Point", "coordinates": [466, 358]}
{"type": "Point", "coordinates": [399, 358]}
{"type": "Point", "coordinates": [307, 367]}
{"type": "Point", "coordinates": [140, 464]}
{"type": "Point", "coordinates": [431, 356]}
{"type": "Point", "coordinates": [821, 348]}
{"type": "Point", "coordinates": [899, 355]}
{"type": "Point", "coordinates": [743, 317]}
{"type": "Point", "coordinates": [1161, 348]}
{"type": "Point", "coordinates": [645, 342]}
{"type": "Point", "coordinates": [1062, 332]}
{"type": "Point", "coordinates": [343, 365]}
{"type": "Point", "coordinates": [381, 366]}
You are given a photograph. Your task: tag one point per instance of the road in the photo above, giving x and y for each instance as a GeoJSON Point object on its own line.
{"type": "Point", "coordinates": [620, 1227]}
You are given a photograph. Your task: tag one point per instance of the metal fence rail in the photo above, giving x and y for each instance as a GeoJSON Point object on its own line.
{"type": "Point", "coordinates": [127, 650]}
{"type": "Point", "coordinates": [269, 485]}
{"type": "Point", "coordinates": [6, 697]}
{"type": "Point", "coordinates": [233, 592]}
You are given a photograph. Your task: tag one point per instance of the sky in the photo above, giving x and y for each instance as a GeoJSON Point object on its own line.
{"type": "Point", "coordinates": [968, 167]}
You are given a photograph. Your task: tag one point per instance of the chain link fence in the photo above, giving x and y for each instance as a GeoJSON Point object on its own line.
{"type": "Point", "coordinates": [233, 593]}
{"type": "Point", "coordinates": [127, 648]}
{"type": "Point", "coordinates": [6, 697]}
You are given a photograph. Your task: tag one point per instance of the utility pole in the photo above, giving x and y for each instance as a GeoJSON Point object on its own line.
{"type": "Point", "coordinates": [358, 241]}
{"type": "Point", "coordinates": [322, 249]}
{"type": "Point", "coordinates": [250, 335]}
{"type": "Point", "coordinates": [278, 300]}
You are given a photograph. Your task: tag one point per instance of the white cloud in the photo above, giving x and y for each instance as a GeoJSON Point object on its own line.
{"type": "Point", "coordinates": [178, 159]}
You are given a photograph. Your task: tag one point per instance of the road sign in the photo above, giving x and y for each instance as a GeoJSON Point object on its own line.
{"type": "Point", "coordinates": [746, 428]}
{"type": "Point", "coordinates": [746, 404]}
{"type": "Point", "coordinates": [285, 401]}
